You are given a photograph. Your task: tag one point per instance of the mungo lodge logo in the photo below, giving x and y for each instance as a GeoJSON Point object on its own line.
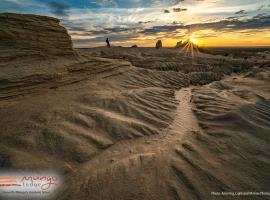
{"type": "Point", "coordinates": [42, 185]}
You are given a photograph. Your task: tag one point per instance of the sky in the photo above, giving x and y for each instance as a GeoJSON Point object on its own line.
{"type": "Point", "coordinates": [143, 22]}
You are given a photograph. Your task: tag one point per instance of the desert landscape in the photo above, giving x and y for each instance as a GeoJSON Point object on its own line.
{"type": "Point", "coordinates": [133, 123]}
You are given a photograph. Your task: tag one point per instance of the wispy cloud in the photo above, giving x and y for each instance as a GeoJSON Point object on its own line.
{"type": "Point", "coordinates": [240, 12]}
{"type": "Point", "coordinates": [259, 21]}
{"type": "Point", "coordinates": [59, 9]}
{"type": "Point", "coordinates": [105, 3]}
{"type": "Point", "coordinates": [179, 9]}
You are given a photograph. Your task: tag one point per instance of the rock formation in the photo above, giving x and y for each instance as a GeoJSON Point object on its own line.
{"type": "Point", "coordinates": [186, 43]}
{"type": "Point", "coordinates": [179, 44]}
{"type": "Point", "coordinates": [33, 34]}
{"type": "Point", "coordinates": [159, 44]}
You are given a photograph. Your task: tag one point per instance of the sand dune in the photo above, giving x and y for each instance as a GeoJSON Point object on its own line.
{"type": "Point", "coordinates": [138, 123]}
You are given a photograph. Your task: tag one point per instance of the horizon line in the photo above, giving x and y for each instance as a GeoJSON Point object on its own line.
{"type": "Point", "coordinates": [254, 46]}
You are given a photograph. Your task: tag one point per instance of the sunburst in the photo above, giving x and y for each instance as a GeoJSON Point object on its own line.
{"type": "Point", "coordinates": [190, 46]}
{"type": "Point", "coordinates": [193, 40]}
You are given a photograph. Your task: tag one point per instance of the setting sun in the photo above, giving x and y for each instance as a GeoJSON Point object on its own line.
{"type": "Point", "coordinates": [193, 40]}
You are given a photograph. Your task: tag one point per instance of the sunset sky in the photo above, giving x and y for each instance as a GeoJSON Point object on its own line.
{"type": "Point", "coordinates": [142, 22]}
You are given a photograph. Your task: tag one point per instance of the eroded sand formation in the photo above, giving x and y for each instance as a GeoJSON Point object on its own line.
{"type": "Point", "coordinates": [134, 123]}
{"type": "Point", "coordinates": [33, 35]}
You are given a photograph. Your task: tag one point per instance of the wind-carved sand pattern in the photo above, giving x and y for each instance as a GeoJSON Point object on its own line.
{"type": "Point", "coordinates": [104, 121]}
{"type": "Point", "coordinates": [133, 123]}
{"type": "Point", "coordinates": [135, 169]}
{"type": "Point", "coordinates": [235, 135]}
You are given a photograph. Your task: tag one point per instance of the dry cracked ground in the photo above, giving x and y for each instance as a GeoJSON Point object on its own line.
{"type": "Point", "coordinates": [139, 123]}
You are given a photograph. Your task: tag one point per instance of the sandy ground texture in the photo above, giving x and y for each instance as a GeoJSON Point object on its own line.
{"type": "Point", "coordinates": [139, 123]}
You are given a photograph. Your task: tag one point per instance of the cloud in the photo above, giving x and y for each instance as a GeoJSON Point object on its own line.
{"type": "Point", "coordinates": [18, 6]}
{"type": "Point", "coordinates": [179, 9]}
{"type": "Point", "coordinates": [4, 4]}
{"type": "Point", "coordinates": [177, 23]}
{"type": "Point", "coordinates": [59, 9]}
{"type": "Point", "coordinates": [114, 38]}
{"type": "Point", "coordinates": [105, 3]}
{"type": "Point", "coordinates": [126, 34]}
{"type": "Point", "coordinates": [119, 30]}
{"type": "Point", "coordinates": [97, 31]}
{"type": "Point", "coordinates": [146, 22]}
{"type": "Point", "coordinates": [259, 21]}
{"type": "Point", "coordinates": [235, 17]}
{"type": "Point", "coordinates": [240, 12]}
{"type": "Point", "coordinates": [164, 2]}
{"type": "Point", "coordinates": [262, 7]}
{"type": "Point", "coordinates": [178, 1]}
{"type": "Point", "coordinates": [135, 3]}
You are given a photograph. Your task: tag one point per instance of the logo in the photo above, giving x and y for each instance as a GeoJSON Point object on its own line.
{"type": "Point", "coordinates": [29, 185]}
